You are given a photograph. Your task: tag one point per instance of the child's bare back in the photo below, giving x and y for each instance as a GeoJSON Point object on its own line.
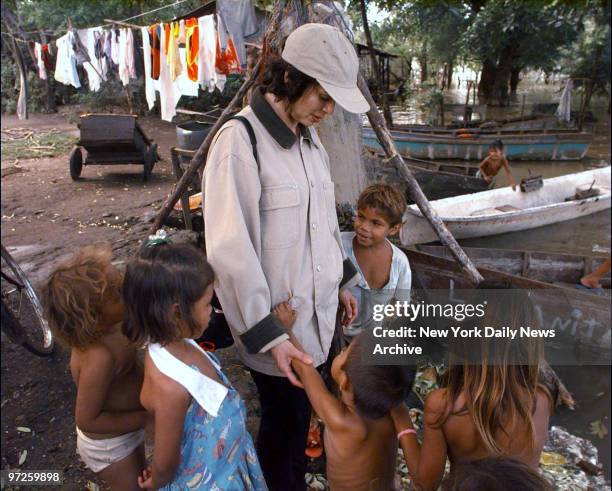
{"type": "Point", "coordinates": [463, 440]}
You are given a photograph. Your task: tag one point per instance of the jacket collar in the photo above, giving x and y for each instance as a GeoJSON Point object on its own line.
{"type": "Point", "coordinates": [275, 125]}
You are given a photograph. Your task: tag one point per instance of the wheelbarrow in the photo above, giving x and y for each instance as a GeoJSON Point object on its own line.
{"type": "Point", "coordinates": [112, 139]}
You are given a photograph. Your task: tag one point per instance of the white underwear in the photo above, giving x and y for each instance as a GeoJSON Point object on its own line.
{"type": "Point", "coordinates": [99, 454]}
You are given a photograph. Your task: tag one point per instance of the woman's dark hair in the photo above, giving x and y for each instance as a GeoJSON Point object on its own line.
{"type": "Point", "coordinates": [376, 388]}
{"type": "Point", "coordinates": [273, 80]}
{"type": "Point", "coordinates": [158, 278]}
{"type": "Point", "coordinates": [499, 473]}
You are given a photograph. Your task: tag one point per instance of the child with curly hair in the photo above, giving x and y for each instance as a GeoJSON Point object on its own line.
{"type": "Point", "coordinates": [83, 304]}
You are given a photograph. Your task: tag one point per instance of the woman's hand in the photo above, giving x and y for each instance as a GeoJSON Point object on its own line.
{"type": "Point", "coordinates": [349, 302]}
{"type": "Point", "coordinates": [283, 353]}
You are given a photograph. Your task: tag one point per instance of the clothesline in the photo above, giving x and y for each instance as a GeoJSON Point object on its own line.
{"type": "Point", "coordinates": [111, 22]}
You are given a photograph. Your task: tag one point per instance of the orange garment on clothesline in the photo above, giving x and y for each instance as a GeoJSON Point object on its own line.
{"type": "Point", "coordinates": [154, 33]}
{"type": "Point", "coordinates": [227, 60]}
{"type": "Point", "coordinates": [192, 48]}
{"type": "Point", "coordinates": [172, 50]}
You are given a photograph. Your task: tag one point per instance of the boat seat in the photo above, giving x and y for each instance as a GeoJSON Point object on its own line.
{"type": "Point", "coordinates": [495, 210]}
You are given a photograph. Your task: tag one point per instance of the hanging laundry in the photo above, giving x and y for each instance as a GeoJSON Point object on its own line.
{"type": "Point", "coordinates": [108, 50]}
{"type": "Point", "coordinates": [65, 65]}
{"type": "Point", "coordinates": [146, 51]}
{"type": "Point", "coordinates": [46, 57]}
{"type": "Point", "coordinates": [115, 48]}
{"type": "Point", "coordinates": [207, 75]}
{"type": "Point", "coordinates": [239, 22]}
{"type": "Point", "coordinates": [183, 85]}
{"type": "Point", "coordinates": [94, 67]}
{"type": "Point", "coordinates": [127, 70]}
{"type": "Point", "coordinates": [166, 92]}
{"type": "Point", "coordinates": [138, 59]}
{"type": "Point", "coordinates": [155, 48]}
{"type": "Point", "coordinates": [227, 60]}
{"type": "Point", "coordinates": [191, 48]}
{"type": "Point", "coordinates": [172, 51]}
{"type": "Point", "coordinates": [42, 70]}
{"type": "Point", "coordinates": [181, 34]}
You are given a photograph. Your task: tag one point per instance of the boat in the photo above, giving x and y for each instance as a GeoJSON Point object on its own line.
{"type": "Point", "coordinates": [580, 319]}
{"type": "Point", "coordinates": [473, 144]}
{"type": "Point", "coordinates": [527, 123]}
{"type": "Point", "coordinates": [437, 179]}
{"type": "Point", "coordinates": [550, 267]}
{"type": "Point", "coordinates": [502, 210]}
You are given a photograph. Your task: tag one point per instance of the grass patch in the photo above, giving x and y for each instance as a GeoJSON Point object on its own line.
{"type": "Point", "coordinates": [20, 143]}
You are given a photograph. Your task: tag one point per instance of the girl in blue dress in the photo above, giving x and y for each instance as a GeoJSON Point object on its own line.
{"type": "Point", "coordinates": [201, 441]}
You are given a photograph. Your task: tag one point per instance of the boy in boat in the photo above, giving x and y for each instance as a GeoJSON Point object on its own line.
{"type": "Point", "coordinates": [492, 164]}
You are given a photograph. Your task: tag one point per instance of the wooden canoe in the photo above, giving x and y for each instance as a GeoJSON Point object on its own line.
{"type": "Point", "coordinates": [437, 178]}
{"type": "Point", "coordinates": [502, 210]}
{"type": "Point", "coordinates": [581, 320]}
{"type": "Point", "coordinates": [549, 267]}
{"type": "Point", "coordinates": [474, 144]}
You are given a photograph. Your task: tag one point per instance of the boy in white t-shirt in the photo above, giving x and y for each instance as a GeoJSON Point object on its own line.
{"type": "Point", "coordinates": [385, 271]}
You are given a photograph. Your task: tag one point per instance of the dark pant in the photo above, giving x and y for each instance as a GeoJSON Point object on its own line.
{"type": "Point", "coordinates": [283, 430]}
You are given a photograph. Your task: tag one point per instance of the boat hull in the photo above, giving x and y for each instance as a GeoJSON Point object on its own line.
{"type": "Point", "coordinates": [516, 147]}
{"type": "Point", "coordinates": [525, 211]}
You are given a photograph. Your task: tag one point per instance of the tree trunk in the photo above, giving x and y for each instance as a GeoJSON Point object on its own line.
{"type": "Point", "coordinates": [48, 84]}
{"type": "Point", "coordinates": [514, 79]}
{"type": "Point", "coordinates": [487, 79]}
{"type": "Point", "coordinates": [422, 57]}
{"type": "Point", "coordinates": [449, 74]}
{"type": "Point", "coordinates": [375, 67]}
{"type": "Point", "coordinates": [502, 76]}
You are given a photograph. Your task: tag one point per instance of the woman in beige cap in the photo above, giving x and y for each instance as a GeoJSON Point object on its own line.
{"type": "Point", "coordinates": [272, 233]}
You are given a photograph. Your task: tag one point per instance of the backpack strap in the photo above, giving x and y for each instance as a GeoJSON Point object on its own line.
{"type": "Point", "coordinates": [251, 132]}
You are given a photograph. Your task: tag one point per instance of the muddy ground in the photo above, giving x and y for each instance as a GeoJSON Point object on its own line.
{"type": "Point", "coordinates": [45, 217]}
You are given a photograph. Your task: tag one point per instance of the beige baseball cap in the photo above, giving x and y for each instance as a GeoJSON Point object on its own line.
{"type": "Point", "coordinates": [325, 54]}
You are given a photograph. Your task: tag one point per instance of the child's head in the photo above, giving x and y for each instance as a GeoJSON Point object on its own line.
{"type": "Point", "coordinates": [497, 147]}
{"type": "Point", "coordinates": [494, 373]}
{"type": "Point", "coordinates": [167, 292]}
{"type": "Point", "coordinates": [376, 389]}
{"type": "Point", "coordinates": [503, 474]}
{"type": "Point", "coordinates": [380, 210]}
{"type": "Point", "coordinates": [82, 297]}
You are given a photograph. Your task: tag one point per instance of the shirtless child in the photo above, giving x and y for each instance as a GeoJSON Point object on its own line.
{"type": "Point", "coordinates": [83, 304]}
{"type": "Point", "coordinates": [490, 166]}
{"type": "Point", "coordinates": [359, 438]}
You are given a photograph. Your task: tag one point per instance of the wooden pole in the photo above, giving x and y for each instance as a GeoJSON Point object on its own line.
{"type": "Point", "coordinates": [414, 191]}
{"type": "Point", "coordinates": [124, 24]}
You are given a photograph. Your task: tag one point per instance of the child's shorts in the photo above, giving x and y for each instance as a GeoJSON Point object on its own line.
{"type": "Point", "coordinates": [99, 454]}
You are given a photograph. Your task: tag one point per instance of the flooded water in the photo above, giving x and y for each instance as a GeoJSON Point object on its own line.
{"type": "Point", "coordinates": [589, 385]}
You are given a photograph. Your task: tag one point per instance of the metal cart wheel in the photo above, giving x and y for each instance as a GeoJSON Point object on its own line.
{"type": "Point", "coordinates": [149, 161]}
{"type": "Point", "coordinates": [76, 163]}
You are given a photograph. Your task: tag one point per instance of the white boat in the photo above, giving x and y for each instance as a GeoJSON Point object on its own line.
{"type": "Point", "coordinates": [502, 210]}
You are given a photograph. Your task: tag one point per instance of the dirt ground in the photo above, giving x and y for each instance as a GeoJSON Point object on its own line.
{"type": "Point", "coordinates": [45, 217]}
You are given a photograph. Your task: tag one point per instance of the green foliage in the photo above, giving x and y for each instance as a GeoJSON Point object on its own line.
{"type": "Point", "coordinates": [532, 32]}
{"type": "Point", "coordinates": [589, 56]}
{"type": "Point", "coordinates": [37, 100]}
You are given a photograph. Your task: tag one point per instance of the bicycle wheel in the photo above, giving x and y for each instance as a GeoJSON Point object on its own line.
{"type": "Point", "coordinates": [21, 300]}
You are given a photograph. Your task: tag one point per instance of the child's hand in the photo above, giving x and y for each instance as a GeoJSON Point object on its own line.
{"type": "Point", "coordinates": [285, 314]}
{"type": "Point", "coordinates": [349, 302]}
{"type": "Point", "coordinates": [145, 481]}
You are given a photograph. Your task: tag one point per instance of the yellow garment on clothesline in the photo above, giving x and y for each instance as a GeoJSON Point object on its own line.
{"type": "Point", "coordinates": [172, 53]}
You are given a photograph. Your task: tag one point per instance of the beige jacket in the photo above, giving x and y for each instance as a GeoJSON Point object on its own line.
{"type": "Point", "coordinates": [272, 234]}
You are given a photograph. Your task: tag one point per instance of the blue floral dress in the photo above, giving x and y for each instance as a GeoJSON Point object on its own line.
{"type": "Point", "coordinates": [217, 453]}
